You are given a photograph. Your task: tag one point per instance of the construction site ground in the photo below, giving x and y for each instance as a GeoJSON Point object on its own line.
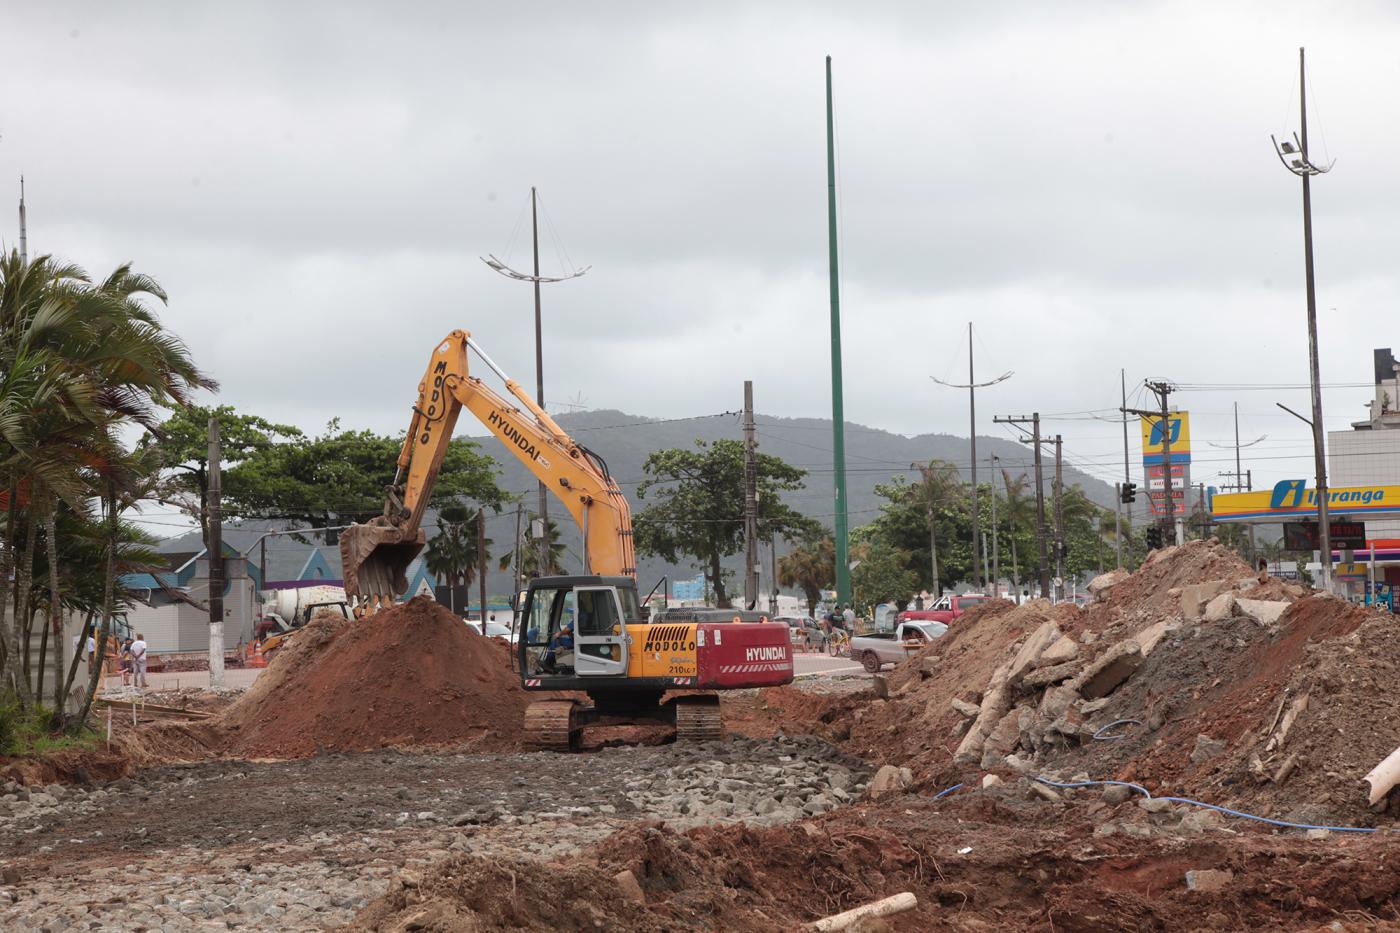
{"type": "Point", "coordinates": [825, 795]}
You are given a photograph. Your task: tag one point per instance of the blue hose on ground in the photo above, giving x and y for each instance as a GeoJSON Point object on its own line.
{"type": "Point", "coordinates": [945, 793]}
{"type": "Point", "coordinates": [1117, 722]}
{"type": "Point", "coordinates": [1209, 806]}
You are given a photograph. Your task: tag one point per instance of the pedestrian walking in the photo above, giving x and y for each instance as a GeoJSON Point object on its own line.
{"type": "Point", "coordinates": [124, 662]}
{"type": "Point", "coordinates": [138, 659]}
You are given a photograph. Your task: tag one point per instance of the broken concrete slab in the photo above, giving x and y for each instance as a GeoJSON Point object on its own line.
{"type": "Point", "coordinates": [1264, 611]}
{"type": "Point", "coordinates": [1206, 749]}
{"type": "Point", "coordinates": [1044, 676]}
{"type": "Point", "coordinates": [996, 701]}
{"type": "Point", "coordinates": [889, 780]}
{"type": "Point", "coordinates": [1113, 667]}
{"type": "Point", "coordinates": [1209, 880]}
{"type": "Point", "coordinates": [965, 708]}
{"type": "Point", "coordinates": [990, 781]}
{"type": "Point", "coordinates": [1065, 649]}
{"type": "Point", "coordinates": [1040, 639]}
{"type": "Point", "coordinates": [1105, 582]}
{"type": "Point", "coordinates": [1196, 595]}
{"type": "Point", "coordinates": [1149, 637]}
{"type": "Point", "coordinates": [629, 887]}
{"type": "Point", "coordinates": [1220, 608]}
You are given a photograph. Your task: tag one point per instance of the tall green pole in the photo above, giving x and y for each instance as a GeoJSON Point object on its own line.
{"type": "Point", "coordinates": [838, 420]}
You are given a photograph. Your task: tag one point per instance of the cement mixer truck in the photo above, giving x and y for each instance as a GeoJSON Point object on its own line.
{"type": "Point", "coordinates": [285, 611]}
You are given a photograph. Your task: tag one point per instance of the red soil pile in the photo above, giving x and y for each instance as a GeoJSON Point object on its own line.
{"type": "Point", "coordinates": [413, 675]}
{"type": "Point", "coordinates": [974, 862]}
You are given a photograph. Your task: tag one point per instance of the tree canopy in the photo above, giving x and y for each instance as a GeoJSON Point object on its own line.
{"type": "Point", "coordinates": [697, 505]}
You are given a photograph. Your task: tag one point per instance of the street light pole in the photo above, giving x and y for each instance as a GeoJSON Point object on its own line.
{"type": "Point", "coordinates": [536, 279]}
{"type": "Point", "coordinates": [1305, 168]}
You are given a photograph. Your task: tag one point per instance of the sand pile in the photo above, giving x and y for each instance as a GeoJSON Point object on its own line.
{"type": "Point", "coordinates": [413, 675]}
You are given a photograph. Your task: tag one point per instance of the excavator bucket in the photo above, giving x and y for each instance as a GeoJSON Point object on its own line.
{"type": "Point", "coordinates": [374, 559]}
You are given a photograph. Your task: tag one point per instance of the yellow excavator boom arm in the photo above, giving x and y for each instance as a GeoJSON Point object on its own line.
{"type": "Point", "coordinates": [376, 555]}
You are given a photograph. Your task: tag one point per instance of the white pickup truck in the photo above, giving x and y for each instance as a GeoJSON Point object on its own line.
{"type": "Point", "coordinates": [876, 650]}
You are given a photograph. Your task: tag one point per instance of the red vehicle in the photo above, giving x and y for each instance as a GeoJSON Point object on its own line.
{"type": "Point", "coordinates": [946, 609]}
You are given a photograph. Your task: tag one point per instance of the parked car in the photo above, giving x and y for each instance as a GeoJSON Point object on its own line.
{"type": "Point", "coordinates": [800, 625]}
{"type": "Point", "coordinates": [946, 609]}
{"type": "Point", "coordinates": [877, 649]}
{"type": "Point", "coordinates": [493, 629]}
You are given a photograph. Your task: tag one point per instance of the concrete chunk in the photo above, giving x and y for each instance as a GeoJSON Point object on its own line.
{"type": "Point", "coordinates": [1209, 880]}
{"type": "Point", "coordinates": [1040, 639]}
{"type": "Point", "coordinates": [1106, 581]}
{"type": "Point", "coordinates": [889, 780]}
{"type": "Point", "coordinates": [1116, 665]}
{"type": "Point", "coordinates": [1264, 611]}
{"type": "Point", "coordinates": [1196, 595]}
{"type": "Point", "coordinates": [965, 708]}
{"type": "Point", "coordinates": [1149, 637]}
{"type": "Point", "coordinates": [1220, 608]}
{"type": "Point", "coordinates": [1045, 676]}
{"type": "Point", "coordinates": [629, 887]}
{"type": "Point", "coordinates": [1065, 649]}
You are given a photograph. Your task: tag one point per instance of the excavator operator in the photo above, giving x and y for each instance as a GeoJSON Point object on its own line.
{"type": "Point", "coordinates": [559, 659]}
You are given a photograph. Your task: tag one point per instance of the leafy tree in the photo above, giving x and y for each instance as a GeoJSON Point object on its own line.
{"type": "Point", "coordinates": [341, 475]}
{"type": "Point", "coordinates": [183, 446]}
{"type": "Point", "coordinates": [698, 505]}
{"type": "Point", "coordinates": [811, 567]}
{"type": "Point", "coordinates": [880, 573]}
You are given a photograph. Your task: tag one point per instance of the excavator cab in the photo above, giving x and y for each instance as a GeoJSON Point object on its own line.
{"type": "Point", "coordinates": [575, 629]}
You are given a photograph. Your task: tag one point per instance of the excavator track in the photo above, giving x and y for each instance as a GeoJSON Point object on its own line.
{"type": "Point", "coordinates": [552, 725]}
{"type": "Point", "coordinates": [698, 719]}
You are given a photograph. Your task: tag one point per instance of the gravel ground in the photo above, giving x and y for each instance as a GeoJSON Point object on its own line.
{"type": "Point", "coordinates": [305, 844]}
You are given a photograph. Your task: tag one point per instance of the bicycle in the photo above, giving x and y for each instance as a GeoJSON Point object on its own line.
{"type": "Point", "coordinates": [838, 643]}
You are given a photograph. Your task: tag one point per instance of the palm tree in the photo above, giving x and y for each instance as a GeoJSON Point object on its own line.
{"type": "Point", "coordinates": [811, 567]}
{"type": "Point", "coordinates": [530, 555]}
{"type": "Point", "coordinates": [452, 553]}
{"type": "Point", "coordinates": [1020, 514]}
{"type": "Point", "coordinates": [76, 360]}
{"type": "Point", "coordinates": [939, 486]}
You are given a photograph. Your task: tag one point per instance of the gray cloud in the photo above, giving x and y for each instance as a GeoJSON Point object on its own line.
{"type": "Point", "coordinates": [1091, 183]}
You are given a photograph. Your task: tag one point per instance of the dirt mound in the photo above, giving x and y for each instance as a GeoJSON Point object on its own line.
{"type": "Point", "coordinates": [1150, 586]}
{"type": "Point", "coordinates": [413, 675]}
{"type": "Point", "coordinates": [968, 871]}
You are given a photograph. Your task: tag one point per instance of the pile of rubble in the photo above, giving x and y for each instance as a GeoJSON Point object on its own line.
{"type": "Point", "coordinates": [1192, 676]}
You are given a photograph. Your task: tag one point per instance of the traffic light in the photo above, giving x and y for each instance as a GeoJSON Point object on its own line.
{"type": "Point", "coordinates": [1154, 537]}
{"type": "Point", "coordinates": [1128, 494]}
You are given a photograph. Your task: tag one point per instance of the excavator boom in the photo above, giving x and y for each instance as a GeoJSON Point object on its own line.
{"type": "Point", "coordinates": [376, 555]}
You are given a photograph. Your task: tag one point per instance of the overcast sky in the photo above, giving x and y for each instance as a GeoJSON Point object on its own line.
{"type": "Point", "coordinates": [1091, 184]}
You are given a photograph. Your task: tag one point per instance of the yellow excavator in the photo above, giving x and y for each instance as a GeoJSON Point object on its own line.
{"type": "Point", "coordinates": [586, 633]}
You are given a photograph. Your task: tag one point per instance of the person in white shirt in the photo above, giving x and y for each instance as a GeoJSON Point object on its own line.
{"type": "Point", "coordinates": [138, 659]}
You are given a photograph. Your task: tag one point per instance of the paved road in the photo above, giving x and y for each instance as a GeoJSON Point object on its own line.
{"type": "Point", "coordinates": [812, 664]}
{"type": "Point", "coordinates": [809, 664]}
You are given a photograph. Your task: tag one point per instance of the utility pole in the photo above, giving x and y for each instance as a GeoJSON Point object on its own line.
{"type": "Point", "coordinates": [1044, 559]}
{"type": "Point", "coordinates": [996, 557]}
{"type": "Point", "coordinates": [773, 555]}
{"type": "Point", "coordinates": [23, 227]}
{"type": "Point", "coordinates": [216, 559]}
{"type": "Point", "coordinates": [536, 279]}
{"type": "Point", "coordinates": [751, 564]}
{"type": "Point", "coordinates": [481, 563]}
{"type": "Point", "coordinates": [838, 417]}
{"type": "Point", "coordinates": [515, 580]}
{"type": "Point", "coordinates": [1123, 387]}
{"type": "Point", "coordinates": [1305, 168]}
{"type": "Point", "coordinates": [1059, 520]}
{"type": "Point", "coordinates": [1167, 519]}
{"type": "Point", "coordinates": [972, 385]}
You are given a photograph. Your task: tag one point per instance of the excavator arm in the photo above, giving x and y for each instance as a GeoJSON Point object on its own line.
{"type": "Point", "coordinates": [376, 555]}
